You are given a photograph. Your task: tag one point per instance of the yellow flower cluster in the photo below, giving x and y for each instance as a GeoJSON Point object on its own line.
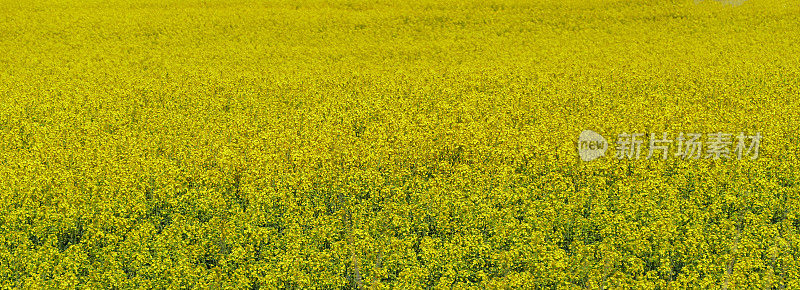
{"type": "Point", "coordinates": [328, 144]}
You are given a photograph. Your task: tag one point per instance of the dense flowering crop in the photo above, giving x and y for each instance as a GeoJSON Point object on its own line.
{"type": "Point", "coordinates": [393, 144]}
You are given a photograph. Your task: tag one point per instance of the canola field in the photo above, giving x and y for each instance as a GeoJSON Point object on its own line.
{"type": "Point", "coordinates": [373, 144]}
